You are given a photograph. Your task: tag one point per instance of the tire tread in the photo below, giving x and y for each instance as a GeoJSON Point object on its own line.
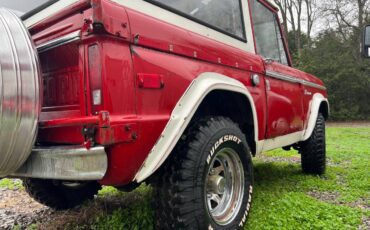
{"type": "Point", "coordinates": [176, 204]}
{"type": "Point", "coordinates": [313, 151]}
{"type": "Point", "coordinates": [57, 197]}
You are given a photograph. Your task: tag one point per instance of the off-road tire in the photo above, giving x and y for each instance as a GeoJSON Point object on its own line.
{"type": "Point", "coordinates": [313, 151]}
{"type": "Point", "coordinates": [181, 196]}
{"type": "Point", "coordinates": [57, 195]}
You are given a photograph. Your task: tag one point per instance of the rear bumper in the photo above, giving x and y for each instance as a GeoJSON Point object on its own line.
{"type": "Point", "coordinates": [102, 129]}
{"type": "Point", "coordinates": [65, 163]}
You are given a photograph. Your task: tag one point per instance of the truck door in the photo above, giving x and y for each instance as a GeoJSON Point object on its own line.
{"type": "Point", "coordinates": [283, 88]}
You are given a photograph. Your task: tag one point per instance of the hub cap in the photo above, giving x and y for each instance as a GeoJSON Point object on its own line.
{"type": "Point", "coordinates": [225, 186]}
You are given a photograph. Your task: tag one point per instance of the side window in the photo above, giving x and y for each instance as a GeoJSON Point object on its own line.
{"type": "Point", "coordinates": [269, 40]}
{"type": "Point", "coordinates": [222, 15]}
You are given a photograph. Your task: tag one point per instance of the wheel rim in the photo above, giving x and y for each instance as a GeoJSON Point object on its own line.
{"type": "Point", "coordinates": [70, 184]}
{"type": "Point", "coordinates": [225, 186]}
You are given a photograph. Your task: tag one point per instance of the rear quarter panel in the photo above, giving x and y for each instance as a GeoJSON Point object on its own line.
{"type": "Point", "coordinates": [179, 56]}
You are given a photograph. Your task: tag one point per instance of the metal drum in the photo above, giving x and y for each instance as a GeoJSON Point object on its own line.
{"type": "Point", "coordinates": [19, 93]}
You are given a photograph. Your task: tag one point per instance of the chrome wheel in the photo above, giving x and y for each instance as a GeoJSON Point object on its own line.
{"type": "Point", "coordinates": [225, 186]}
{"type": "Point", "coordinates": [73, 185]}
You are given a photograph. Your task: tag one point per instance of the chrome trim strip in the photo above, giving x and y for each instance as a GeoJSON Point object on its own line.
{"type": "Point", "coordinates": [294, 80]}
{"type": "Point", "coordinates": [282, 77]}
{"type": "Point", "coordinates": [65, 163]}
{"type": "Point", "coordinates": [307, 83]}
{"type": "Point", "coordinates": [74, 36]}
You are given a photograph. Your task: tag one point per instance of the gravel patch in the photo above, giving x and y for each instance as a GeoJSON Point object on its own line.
{"type": "Point", "coordinates": [359, 124]}
{"type": "Point", "coordinates": [330, 197]}
{"type": "Point", "coordinates": [290, 160]}
{"type": "Point", "coordinates": [365, 223]}
{"type": "Point", "coordinates": [18, 209]}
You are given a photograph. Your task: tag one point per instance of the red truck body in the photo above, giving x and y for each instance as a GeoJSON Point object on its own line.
{"type": "Point", "coordinates": [143, 66]}
{"type": "Point", "coordinates": [179, 94]}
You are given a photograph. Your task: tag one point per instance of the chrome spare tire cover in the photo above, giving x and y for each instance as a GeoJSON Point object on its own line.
{"type": "Point", "coordinates": [19, 93]}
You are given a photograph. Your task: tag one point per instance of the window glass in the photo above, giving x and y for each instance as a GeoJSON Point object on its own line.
{"type": "Point", "coordinates": [223, 15]}
{"type": "Point", "coordinates": [269, 41]}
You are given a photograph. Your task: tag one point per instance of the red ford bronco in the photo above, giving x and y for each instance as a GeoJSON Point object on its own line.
{"type": "Point", "coordinates": [179, 94]}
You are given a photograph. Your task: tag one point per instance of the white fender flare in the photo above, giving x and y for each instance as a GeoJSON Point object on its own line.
{"type": "Point", "coordinates": [315, 104]}
{"type": "Point", "coordinates": [183, 113]}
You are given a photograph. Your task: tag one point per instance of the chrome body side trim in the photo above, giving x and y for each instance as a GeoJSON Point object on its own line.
{"type": "Point", "coordinates": [74, 36]}
{"type": "Point", "coordinates": [65, 163]}
{"type": "Point", "coordinates": [283, 77]}
{"type": "Point", "coordinates": [294, 80]}
{"type": "Point", "coordinates": [310, 84]}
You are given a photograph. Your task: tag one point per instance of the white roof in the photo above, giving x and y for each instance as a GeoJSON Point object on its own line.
{"type": "Point", "coordinates": [272, 3]}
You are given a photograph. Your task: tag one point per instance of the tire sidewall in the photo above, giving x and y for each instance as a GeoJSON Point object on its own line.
{"type": "Point", "coordinates": [60, 197]}
{"type": "Point", "coordinates": [226, 138]}
{"type": "Point", "coordinates": [313, 150]}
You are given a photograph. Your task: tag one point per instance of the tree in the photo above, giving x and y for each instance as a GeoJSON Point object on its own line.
{"type": "Point", "coordinates": [333, 55]}
{"type": "Point", "coordinates": [347, 80]}
{"type": "Point", "coordinates": [293, 46]}
{"type": "Point", "coordinates": [291, 11]}
{"type": "Point", "coordinates": [350, 17]}
{"type": "Point", "coordinates": [283, 7]}
{"type": "Point", "coordinates": [312, 13]}
{"type": "Point", "coordinates": [294, 13]}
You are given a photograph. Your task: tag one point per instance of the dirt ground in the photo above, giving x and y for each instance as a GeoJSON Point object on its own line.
{"type": "Point", "coordinates": [18, 209]}
{"type": "Point", "coordinates": [359, 124]}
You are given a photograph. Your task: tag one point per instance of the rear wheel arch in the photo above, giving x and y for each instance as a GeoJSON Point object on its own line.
{"type": "Point", "coordinates": [233, 105]}
{"type": "Point", "coordinates": [192, 104]}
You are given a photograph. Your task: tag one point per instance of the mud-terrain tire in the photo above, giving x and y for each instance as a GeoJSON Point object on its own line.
{"type": "Point", "coordinates": [313, 151]}
{"type": "Point", "coordinates": [19, 93]}
{"type": "Point", "coordinates": [192, 187]}
{"type": "Point", "coordinates": [60, 195]}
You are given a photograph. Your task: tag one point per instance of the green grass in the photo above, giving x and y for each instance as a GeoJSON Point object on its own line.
{"type": "Point", "coordinates": [10, 184]}
{"type": "Point", "coordinates": [138, 215]}
{"type": "Point", "coordinates": [284, 197]}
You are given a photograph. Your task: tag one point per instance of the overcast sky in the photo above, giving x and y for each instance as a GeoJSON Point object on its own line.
{"type": "Point", "coordinates": [21, 5]}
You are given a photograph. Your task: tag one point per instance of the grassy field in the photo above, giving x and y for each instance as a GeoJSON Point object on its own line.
{"type": "Point", "coordinates": [287, 199]}
{"type": "Point", "coordinates": [284, 198]}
